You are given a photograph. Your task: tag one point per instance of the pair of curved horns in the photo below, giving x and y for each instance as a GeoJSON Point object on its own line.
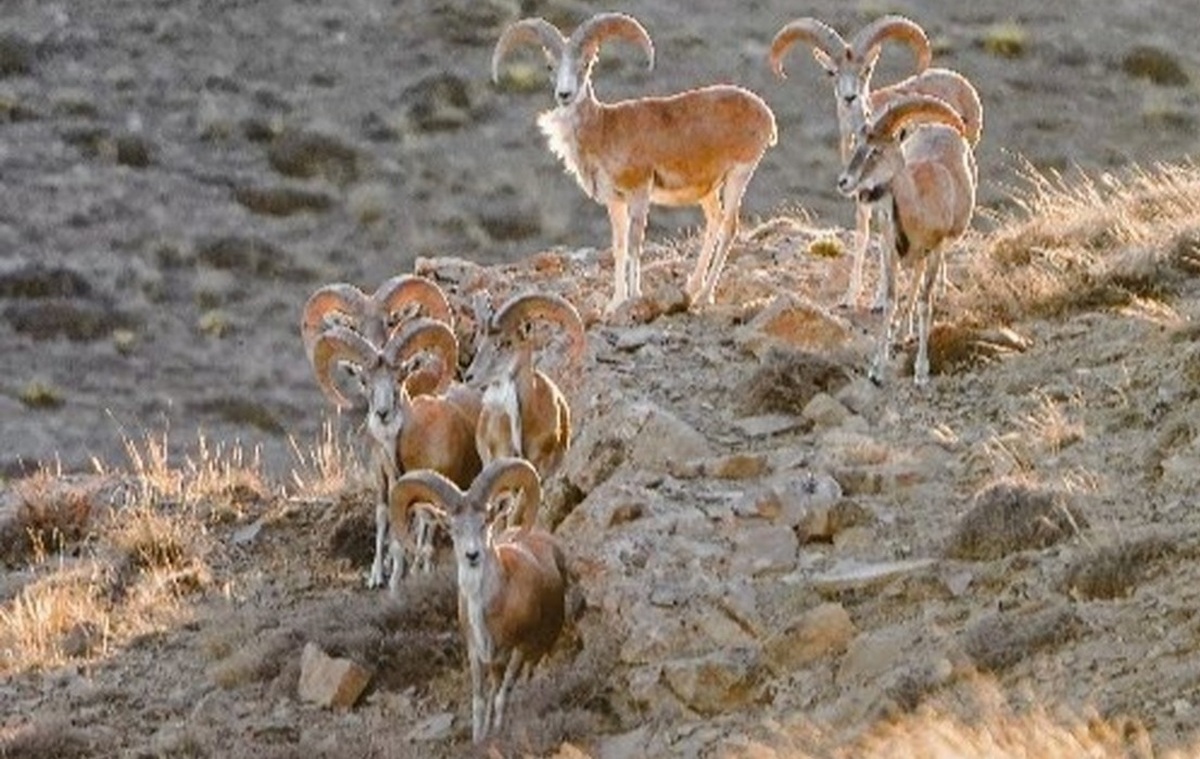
{"type": "Point", "coordinates": [340, 343]}
{"type": "Point", "coordinates": [522, 309]}
{"type": "Point", "coordinates": [921, 109]}
{"type": "Point", "coordinates": [372, 314]}
{"type": "Point", "coordinates": [426, 485]}
{"type": "Point", "coordinates": [585, 40]}
{"type": "Point", "coordinates": [424, 335]}
{"type": "Point", "coordinates": [821, 36]}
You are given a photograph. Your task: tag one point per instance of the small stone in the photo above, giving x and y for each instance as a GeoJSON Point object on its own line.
{"type": "Point", "coordinates": [797, 324]}
{"type": "Point", "coordinates": [434, 728]}
{"type": "Point", "coordinates": [767, 425]}
{"type": "Point", "coordinates": [719, 682]}
{"type": "Point", "coordinates": [824, 411]}
{"type": "Point", "coordinates": [738, 466]}
{"type": "Point", "coordinates": [329, 682]}
{"type": "Point", "coordinates": [822, 631]}
{"type": "Point", "coordinates": [764, 549]}
{"type": "Point", "coordinates": [854, 576]}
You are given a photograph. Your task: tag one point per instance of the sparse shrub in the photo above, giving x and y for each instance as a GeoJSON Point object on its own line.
{"type": "Point", "coordinates": [1000, 641]}
{"type": "Point", "coordinates": [40, 394]}
{"type": "Point", "coordinates": [1010, 516]}
{"type": "Point", "coordinates": [49, 518]}
{"type": "Point", "coordinates": [47, 738]}
{"type": "Point", "coordinates": [1006, 40]}
{"type": "Point", "coordinates": [1155, 65]}
{"type": "Point", "coordinates": [826, 247]}
{"type": "Point", "coordinates": [1115, 571]}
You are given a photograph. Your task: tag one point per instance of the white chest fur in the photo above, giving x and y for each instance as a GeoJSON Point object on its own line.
{"type": "Point", "coordinates": [561, 129]}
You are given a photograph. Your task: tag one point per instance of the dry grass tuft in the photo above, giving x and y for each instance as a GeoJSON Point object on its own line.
{"type": "Point", "coordinates": [1083, 244]}
{"type": "Point", "coordinates": [1002, 640]}
{"type": "Point", "coordinates": [1010, 516]}
{"type": "Point", "coordinates": [959, 347]}
{"type": "Point", "coordinates": [785, 381]}
{"type": "Point", "coordinates": [47, 738]}
{"type": "Point", "coordinates": [1006, 40]}
{"type": "Point", "coordinates": [50, 517]}
{"type": "Point", "coordinates": [1115, 571]}
{"type": "Point", "coordinates": [328, 467]}
{"type": "Point", "coordinates": [39, 626]}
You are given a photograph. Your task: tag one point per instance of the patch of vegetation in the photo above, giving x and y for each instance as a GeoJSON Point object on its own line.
{"type": "Point", "coordinates": [826, 247]}
{"type": "Point", "coordinates": [1083, 244]}
{"type": "Point", "coordinates": [785, 381]}
{"type": "Point", "coordinates": [46, 738]}
{"type": "Point", "coordinates": [1115, 571]}
{"type": "Point", "coordinates": [49, 518]}
{"type": "Point", "coordinates": [1011, 516]}
{"type": "Point", "coordinates": [1000, 641]}
{"type": "Point", "coordinates": [1154, 65]}
{"type": "Point", "coordinates": [1006, 40]}
{"type": "Point", "coordinates": [39, 394]}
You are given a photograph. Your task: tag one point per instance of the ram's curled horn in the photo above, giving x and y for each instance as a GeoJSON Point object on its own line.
{"type": "Point", "coordinates": [423, 486]}
{"type": "Point", "coordinates": [335, 344]}
{"type": "Point", "coordinates": [523, 309]}
{"type": "Point", "coordinates": [339, 297]}
{"type": "Point", "coordinates": [511, 474]}
{"type": "Point", "coordinates": [894, 27]}
{"type": "Point", "coordinates": [816, 33]}
{"type": "Point", "coordinates": [604, 26]}
{"type": "Point", "coordinates": [425, 335]}
{"type": "Point", "coordinates": [406, 290]}
{"type": "Point", "coordinates": [528, 31]}
{"type": "Point", "coordinates": [917, 109]}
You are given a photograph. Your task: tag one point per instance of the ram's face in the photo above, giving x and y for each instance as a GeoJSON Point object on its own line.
{"type": "Point", "coordinates": [571, 75]}
{"type": "Point", "coordinates": [870, 169]}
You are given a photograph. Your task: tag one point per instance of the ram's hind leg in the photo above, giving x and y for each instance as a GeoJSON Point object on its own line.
{"type": "Point", "coordinates": [711, 205]}
{"type": "Point", "coordinates": [731, 203]}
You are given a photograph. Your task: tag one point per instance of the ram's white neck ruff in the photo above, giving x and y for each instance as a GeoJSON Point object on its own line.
{"type": "Point", "coordinates": [473, 585]}
{"type": "Point", "coordinates": [561, 126]}
{"type": "Point", "coordinates": [501, 397]}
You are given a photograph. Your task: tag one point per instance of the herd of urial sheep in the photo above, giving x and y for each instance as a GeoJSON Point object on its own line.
{"type": "Point", "coordinates": [470, 453]}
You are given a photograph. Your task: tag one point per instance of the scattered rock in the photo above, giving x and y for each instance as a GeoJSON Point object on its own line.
{"type": "Point", "coordinates": [434, 728]}
{"type": "Point", "coordinates": [796, 324]}
{"type": "Point", "coordinates": [306, 155]}
{"type": "Point", "coordinates": [716, 683]}
{"type": "Point", "coordinates": [823, 631]}
{"type": "Point", "coordinates": [824, 411]}
{"type": "Point", "coordinates": [282, 200]}
{"type": "Point", "coordinates": [794, 498]}
{"type": "Point", "coordinates": [767, 425]}
{"type": "Point", "coordinates": [1013, 516]}
{"type": "Point", "coordinates": [329, 682]}
{"type": "Point", "coordinates": [852, 576]}
{"type": "Point", "coordinates": [763, 549]}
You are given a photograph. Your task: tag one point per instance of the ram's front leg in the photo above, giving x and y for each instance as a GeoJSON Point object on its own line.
{"type": "Point", "coordinates": [862, 242]}
{"type": "Point", "coordinates": [618, 217]}
{"type": "Point", "coordinates": [883, 351]}
{"type": "Point", "coordinates": [376, 578]}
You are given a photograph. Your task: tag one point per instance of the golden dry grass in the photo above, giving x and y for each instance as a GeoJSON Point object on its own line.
{"type": "Point", "coordinates": [1080, 243]}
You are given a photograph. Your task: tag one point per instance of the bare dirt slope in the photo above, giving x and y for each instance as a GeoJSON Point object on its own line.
{"type": "Point", "coordinates": [773, 553]}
